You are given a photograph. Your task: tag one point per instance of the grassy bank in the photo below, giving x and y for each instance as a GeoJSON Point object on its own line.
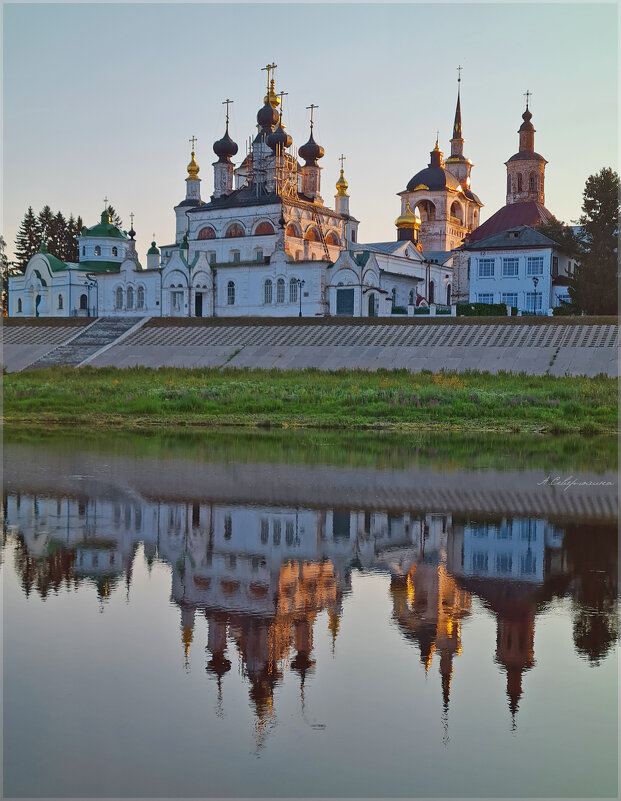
{"type": "Point", "coordinates": [170, 398]}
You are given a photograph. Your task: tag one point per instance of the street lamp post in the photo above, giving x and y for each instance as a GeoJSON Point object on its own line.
{"type": "Point", "coordinates": [300, 282]}
{"type": "Point", "coordinates": [535, 282]}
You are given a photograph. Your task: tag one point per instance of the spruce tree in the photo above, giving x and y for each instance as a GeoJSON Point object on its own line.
{"type": "Point", "coordinates": [58, 236]}
{"type": "Point", "coordinates": [593, 287]}
{"type": "Point", "coordinates": [116, 220]}
{"type": "Point", "coordinates": [73, 230]}
{"type": "Point", "coordinates": [28, 239]}
{"type": "Point", "coordinates": [46, 224]}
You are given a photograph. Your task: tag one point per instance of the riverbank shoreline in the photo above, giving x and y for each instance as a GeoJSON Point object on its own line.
{"type": "Point", "coordinates": [397, 401]}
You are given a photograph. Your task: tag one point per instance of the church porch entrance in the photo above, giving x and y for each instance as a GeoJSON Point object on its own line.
{"type": "Point", "coordinates": [198, 304]}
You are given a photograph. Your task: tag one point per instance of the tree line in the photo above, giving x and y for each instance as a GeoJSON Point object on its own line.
{"type": "Point", "coordinates": [59, 234]}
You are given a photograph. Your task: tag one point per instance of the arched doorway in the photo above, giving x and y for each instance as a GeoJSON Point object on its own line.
{"type": "Point", "coordinates": [371, 305]}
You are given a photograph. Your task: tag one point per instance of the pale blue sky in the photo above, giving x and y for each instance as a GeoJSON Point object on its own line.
{"type": "Point", "coordinates": [102, 99]}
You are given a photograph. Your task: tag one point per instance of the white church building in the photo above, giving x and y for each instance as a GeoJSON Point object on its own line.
{"type": "Point", "coordinates": [263, 244]}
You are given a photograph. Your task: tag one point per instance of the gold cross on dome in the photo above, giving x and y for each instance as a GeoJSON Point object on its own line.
{"type": "Point", "coordinates": [342, 159]}
{"type": "Point", "coordinates": [105, 203]}
{"type": "Point", "coordinates": [193, 140]}
{"type": "Point", "coordinates": [527, 94]}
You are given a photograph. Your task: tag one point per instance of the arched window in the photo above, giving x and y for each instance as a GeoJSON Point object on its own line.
{"type": "Point", "coordinates": [83, 302]}
{"type": "Point", "coordinates": [115, 251]}
{"type": "Point", "coordinates": [448, 294]}
{"type": "Point", "coordinates": [259, 254]}
{"type": "Point", "coordinates": [140, 298]}
{"type": "Point", "coordinates": [60, 302]}
{"type": "Point", "coordinates": [332, 239]}
{"type": "Point", "coordinates": [130, 297]}
{"type": "Point", "coordinates": [293, 230]}
{"type": "Point", "coordinates": [519, 182]}
{"type": "Point", "coordinates": [280, 290]}
{"type": "Point", "coordinates": [426, 210]}
{"type": "Point", "coordinates": [264, 229]}
{"type": "Point", "coordinates": [230, 293]}
{"type": "Point", "coordinates": [97, 250]}
{"type": "Point", "coordinates": [432, 292]}
{"type": "Point", "coordinates": [411, 299]}
{"type": "Point", "coordinates": [533, 182]}
{"type": "Point", "coordinates": [234, 229]}
{"type": "Point", "coordinates": [207, 233]}
{"type": "Point", "coordinates": [19, 305]}
{"type": "Point", "coordinates": [508, 184]}
{"type": "Point", "coordinates": [267, 291]}
{"type": "Point", "coordinates": [457, 212]}
{"type": "Point", "coordinates": [118, 298]}
{"type": "Point", "coordinates": [312, 234]}
{"type": "Point", "coordinates": [293, 291]}
{"type": "Point", "coordinates": [83, 251]}
{"type": "Point", "coordinates": [394, 296]}
{"type": "Point", "coordinates": [235, 255]}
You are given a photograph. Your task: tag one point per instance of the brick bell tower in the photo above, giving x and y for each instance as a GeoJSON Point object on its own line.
{"type": "Point", "coordinates": [525, 169]}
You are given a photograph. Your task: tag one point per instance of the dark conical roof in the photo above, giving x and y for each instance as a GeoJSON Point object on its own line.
{"type": "Point", "coordinates": [311, 151]}
{"type": "Point", "coordinates": [279, 138]}
{"type": "Point", "coordinates": [527, 124]}
{"type": "Point", "coordinates": [267, 116]}
{"type": "Point", "coordinates": [225, 148]}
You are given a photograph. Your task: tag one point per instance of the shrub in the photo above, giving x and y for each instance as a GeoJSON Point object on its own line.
{"type": "Point", "coordinates": [482, 310]}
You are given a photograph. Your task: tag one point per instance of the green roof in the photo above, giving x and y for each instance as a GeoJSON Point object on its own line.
{"type": "Point", "coordinates": [153, 250]}
{"type": "Point", "coordinates": [56, 265]}
{"type": "Point", "coordinates": [99, 266]}
{"type": "Point", "coordinates": [105, 229]}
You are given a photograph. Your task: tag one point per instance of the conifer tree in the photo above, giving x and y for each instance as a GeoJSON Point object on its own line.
{"type": "Point", "coordinates": [593, 287]}
{"type": "Point", "coordinates": [46, 224]}
{"type": "Point", "coordinates": [116, 220]}
{"type": "Point", "coordinates": [28, 239]}
{"type": "Point", "coordinates": [73, 230]}
{"type": "Point", "coordinates": [56, 244]}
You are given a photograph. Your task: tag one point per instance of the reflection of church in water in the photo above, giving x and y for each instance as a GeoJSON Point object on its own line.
{"type": "Point", "coordinates": [263, 575]}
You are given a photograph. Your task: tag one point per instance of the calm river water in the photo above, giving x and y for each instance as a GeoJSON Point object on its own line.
{"type": "Point", "coordinates": [309, 616]}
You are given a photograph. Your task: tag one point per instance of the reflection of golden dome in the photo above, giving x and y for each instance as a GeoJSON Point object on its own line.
{"type": "Point", "coordinates": [341, 185]}
{"type": "Point", "coordinates": [193, 169]}
{"type": "Point", "coordinates": [408, 219]}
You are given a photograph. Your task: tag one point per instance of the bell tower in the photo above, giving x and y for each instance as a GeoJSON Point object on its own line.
{"type": "Point", "coordinates": [526, 169]}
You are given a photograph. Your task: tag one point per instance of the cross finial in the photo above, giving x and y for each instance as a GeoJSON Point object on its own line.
{"type": "Point", "coordinates": [312, 108]}
{"type": "Point", "coordinates": [105, 202]}
{"type": "Point", "coordinates": [131, 217]}
{"type": "Point", "coordinates": [227, 103]}
{"type": "Point", "coordinates": [459, 69]}
{"type": "Point", "coordinates": [269, 68]}
{"type": "Point", "coordinates": [527, 94]}
{"type": "Point", "coordinates": [153, 236]}
{"type": "Point", "coordinates": [437, 139]}
{"type": "Point", "coordinates": [342, 159]}
{"type": "Point", "coordinates": [192, 141]}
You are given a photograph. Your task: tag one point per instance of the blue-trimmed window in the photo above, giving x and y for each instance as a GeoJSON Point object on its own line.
{"type": "Point", "coordinates": [534, 265]}
{"type": "Point", "coordinates": [486, 268]}
{"type": "Point", "coordinates": [510, 267]}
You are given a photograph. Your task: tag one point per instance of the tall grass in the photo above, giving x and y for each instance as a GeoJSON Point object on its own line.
{"type": "Point", "coordinates": [340, 399]}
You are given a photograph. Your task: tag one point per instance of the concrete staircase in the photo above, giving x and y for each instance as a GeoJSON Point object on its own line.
{"type": "Point", "coordinates": [95, 337]}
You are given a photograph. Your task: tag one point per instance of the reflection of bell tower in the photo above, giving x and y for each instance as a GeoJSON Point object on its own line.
{"type": "Point", "coordinates": [219, 665]}
{"type": "Point", "coordinates": [514, 651]}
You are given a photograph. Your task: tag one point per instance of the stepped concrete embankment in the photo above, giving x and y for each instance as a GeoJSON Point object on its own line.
{"type": "Point", "coordinates": [538, 346]}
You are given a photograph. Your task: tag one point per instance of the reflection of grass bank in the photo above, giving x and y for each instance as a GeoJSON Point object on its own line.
{"type": "Point", "coordinates": [379, 449]}
{"type": "Point", "coordinates": [144, 398]}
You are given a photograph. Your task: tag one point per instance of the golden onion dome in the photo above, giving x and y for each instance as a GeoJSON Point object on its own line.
{"type": "Point", "coordinates": [271, 96]}
{"type": "Point", "coordinates": [408, 219]}
{"type": "Point", "coordinates": [193, 169]}
{"type": "Point", "coordinates": [341, 185]}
